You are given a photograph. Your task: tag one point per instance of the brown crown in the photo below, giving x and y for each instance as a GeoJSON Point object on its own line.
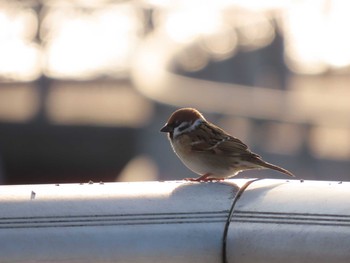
{"type": "Point", "coordinates": [185, 115]}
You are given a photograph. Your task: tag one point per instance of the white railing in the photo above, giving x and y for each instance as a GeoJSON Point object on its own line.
{"type": "Point", "coordinates": [232, 221]}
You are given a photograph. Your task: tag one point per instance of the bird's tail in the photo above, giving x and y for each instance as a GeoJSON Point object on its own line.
{"type": "Point", "coordinates": [274, 167]}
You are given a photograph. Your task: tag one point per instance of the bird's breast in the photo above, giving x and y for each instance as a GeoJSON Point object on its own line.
{"type": "Point", "coordinates": [182, 145]}
{"type": "Point", "coordinates": [193, 160]}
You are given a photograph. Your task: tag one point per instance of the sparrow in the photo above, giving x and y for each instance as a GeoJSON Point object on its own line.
{"type": "Point", "coordinates": [208, 150]}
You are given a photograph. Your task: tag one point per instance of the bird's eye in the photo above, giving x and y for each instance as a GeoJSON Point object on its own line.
{"type": "Point", "coordinates": [176, 124]}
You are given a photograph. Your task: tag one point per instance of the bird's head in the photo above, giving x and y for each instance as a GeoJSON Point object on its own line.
{"type": "Point", "coordinates": [182, 121]}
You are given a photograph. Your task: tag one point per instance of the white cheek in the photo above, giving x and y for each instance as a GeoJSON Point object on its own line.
{"type": "Point", "coordinates": [179, 130]}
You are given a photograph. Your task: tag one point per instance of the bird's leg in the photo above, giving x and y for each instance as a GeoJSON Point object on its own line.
{"type": "Point", "coordinates": [204, 178]}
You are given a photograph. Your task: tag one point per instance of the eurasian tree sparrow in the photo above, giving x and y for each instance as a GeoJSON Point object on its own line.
{"type": "Point", "coordinates": [208, 150]}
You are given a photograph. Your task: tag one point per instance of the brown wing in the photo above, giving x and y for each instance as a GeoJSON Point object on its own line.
{"type": "Point", "coordinates": [211, 137]}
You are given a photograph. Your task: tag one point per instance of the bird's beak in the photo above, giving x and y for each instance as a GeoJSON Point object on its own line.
{"type": "Point", "coordinates": [166, 128]}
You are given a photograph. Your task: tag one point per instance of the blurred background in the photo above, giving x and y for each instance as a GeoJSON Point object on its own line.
{"type": "Point", "coordinates": [85, 86]}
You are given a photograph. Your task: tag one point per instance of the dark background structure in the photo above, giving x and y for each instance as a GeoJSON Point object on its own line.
{"type": "Point", "coordinates": [85, 88]}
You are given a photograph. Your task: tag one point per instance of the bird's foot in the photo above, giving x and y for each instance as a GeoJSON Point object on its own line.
{"type": "Point", "coordinates": [204, 178]}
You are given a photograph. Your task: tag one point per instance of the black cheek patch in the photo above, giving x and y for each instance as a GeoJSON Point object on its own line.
{"type": "Point", "coordinates": [184, 127]}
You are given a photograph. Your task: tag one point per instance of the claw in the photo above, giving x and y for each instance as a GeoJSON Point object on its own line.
{"type": "Point", "coordinates": [204, 178]}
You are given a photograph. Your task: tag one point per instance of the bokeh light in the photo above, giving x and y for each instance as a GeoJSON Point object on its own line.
{"type": "Point", "coordinates": [20, 55]}
{"type": "Point", "coordinates": [86, 43]}
{"type": "Point", "coordinates": [316, 38]}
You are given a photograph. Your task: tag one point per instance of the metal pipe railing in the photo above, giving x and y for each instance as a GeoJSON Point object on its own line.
{"type": "Point", "coordinates": [271, 221]}
{"type": "Point", "coordinates": [291, 221]}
